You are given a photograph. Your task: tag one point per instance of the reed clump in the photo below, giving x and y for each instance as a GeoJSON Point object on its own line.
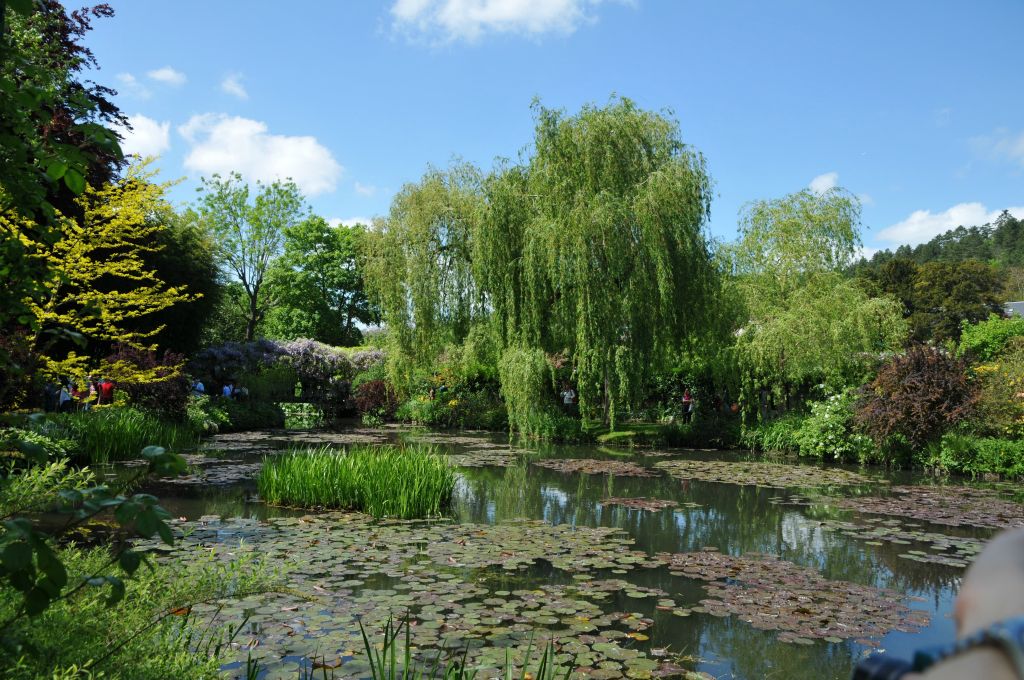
{"type": "Point", "coordinates": [405, 482]}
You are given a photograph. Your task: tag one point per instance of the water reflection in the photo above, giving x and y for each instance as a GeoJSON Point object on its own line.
{"type": "Point", "coordinates": [731, 518]}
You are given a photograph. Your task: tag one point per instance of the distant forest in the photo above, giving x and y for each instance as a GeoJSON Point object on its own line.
{"type": "Point", "coordinates": [1000, 244]}
{"type": "Point", "coordinates": [960, 276]}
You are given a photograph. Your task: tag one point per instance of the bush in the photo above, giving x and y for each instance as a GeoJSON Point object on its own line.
{"type": "Point", "coordinates": [152, 384]}
{"type": "Point", "coordinates": [917, 396]}
{"type": "Point", "coordinates": [778, 435]}
{"type": "Point", "coordinates": [1000, 409]}
{"type": "Point", "coordinates": [971, 455]}
{"type": "Point", "coordinates": [471, 410]}
{"type": "Point", "coordinates": [79, 637]}
{"type": "Point", "coordinates": [103, 434]}
{"type": "Point", "coordinates": [986, 339]}
{"type": "Point", "coordinates": [274, 383]}
{"type": "Point", "coordinates": [707, 431]}
{"type": "Point", "coordinates": [300, 416]}
{"type": "Point", "coordinates": [828, 432]}
{"type": "Point", "coordinates": [408, 483]}
{"type": "Point", "coordinates": [204, 416]}
{"type": "Point", "coordinates": [53, 447]}
{"type": "Point", "coordinates": [376, 397]}
{"type": "Point", "coordinates": [250, 415]}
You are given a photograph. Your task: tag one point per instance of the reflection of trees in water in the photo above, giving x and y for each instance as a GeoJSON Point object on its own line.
{"type": "Point", "coordinates": [735, 649]}
{"type": "Point", "coordinates": [735, 519]}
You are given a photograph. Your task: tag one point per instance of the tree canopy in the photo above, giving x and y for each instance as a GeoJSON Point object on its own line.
{"type": "Point", "coordinates": [249, 234]}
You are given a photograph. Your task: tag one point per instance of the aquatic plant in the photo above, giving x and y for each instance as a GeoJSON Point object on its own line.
{"type": "Point", "coordinates": [107, 434]}
{"type": "Point", "coordinates": [386, 481]}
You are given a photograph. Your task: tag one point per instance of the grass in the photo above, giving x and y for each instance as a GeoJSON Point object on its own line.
{"type": "Point", "coordinates": [408, 482]}
{"type": "Point", "coordinates": [109, 434]}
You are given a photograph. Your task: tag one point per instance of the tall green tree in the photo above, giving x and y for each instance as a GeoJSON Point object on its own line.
{"type": "Point", "coordinates": [804, 322]}
{"type": "Point", "coordinates": [419, 269]}
{"type": "Point", "coordinates": [317, 285]}
{"type": "Point", "coordinates": [597, 246]}
{"type": "Point", "coordinates": [249, 235]}
{"type": "Point", "coordinates": [785, 241]}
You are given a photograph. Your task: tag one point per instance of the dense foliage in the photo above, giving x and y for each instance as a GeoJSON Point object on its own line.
{"type": "Point", "coordinates": [916, 396]}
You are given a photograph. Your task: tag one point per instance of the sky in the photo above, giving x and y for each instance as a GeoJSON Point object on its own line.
{"type": "Point", "coordinates": [916, 107]}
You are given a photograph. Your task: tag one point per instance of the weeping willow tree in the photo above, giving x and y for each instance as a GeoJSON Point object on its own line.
{"type": "Point", "coordinates": [418, 268]}
{"type": "Point", "coordinates": [804, 322]}
{"type": "Point", "coordinates": [596, 248]}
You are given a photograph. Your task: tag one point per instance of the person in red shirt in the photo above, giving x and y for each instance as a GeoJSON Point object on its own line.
{"type": "Point", "coordinates": [106, 391]}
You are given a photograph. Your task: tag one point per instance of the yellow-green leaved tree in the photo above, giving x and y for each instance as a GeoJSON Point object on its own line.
{"type": "Point", "coordinates": [100, 280]}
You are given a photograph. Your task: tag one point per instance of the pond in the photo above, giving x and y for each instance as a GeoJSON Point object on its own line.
{"type": "Point", "coordinates": [636, 563]}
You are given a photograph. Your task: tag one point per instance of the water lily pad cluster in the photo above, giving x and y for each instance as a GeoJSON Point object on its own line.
{"type": "Point", "coordinates": [594, 466]}
{"type": "Point", "coordinates": [350, 569]}
{"type": "Point", "coordinates": [951, 551]}
{"type": "Point", "coordinates": [219, 473]}
{"type": "Point", "coordinates": [486, 457]}
{"type": "Point", "coordinates": [775, 475]}
{"type": "Point", "coordinates": [648, 504]}
{"type": "Point", "coordinates": [772, 594]}
{"type": "Point", "coordinates": [950, 505]}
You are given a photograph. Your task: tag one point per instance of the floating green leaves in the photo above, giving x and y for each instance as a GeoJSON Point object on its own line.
{"type": "Point", "coordinates": [950, 505]}
{"type": "Point", "coordinates": [777, 475]}
{"type": "Point", "coordinates": [951, 551]}
{"type": "Point", "coordinates": [772, 594]}
{"type": "Point", "coordinates": [593, 466]}
{"type": "Point", "coordinates": [648, 504]}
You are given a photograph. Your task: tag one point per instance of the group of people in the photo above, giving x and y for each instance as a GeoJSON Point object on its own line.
{"type": "Point", "coordinates": [67, 396]}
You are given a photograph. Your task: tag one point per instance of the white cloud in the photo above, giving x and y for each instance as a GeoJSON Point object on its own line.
{"type": "Point", "coordinates": [923, 225]}
{"type": "Point", "coordinates": [147, 137]}
{"type": "Point", "coordinates": [131, 85]}
{"type": "Point", "coordinates": [350, 221]}
{"type": "Point", "coordinates": [867, 252]}
{"type": "Point", "coordinates": [365, 189]}
{"type": "Point", "coordinates": [470, 19]}
{"type": "Point", "coordinates": [232, 84]}
{"type": "Point", "coordinates": [823, 183]}
{"type": "Point", "coordinates": [865, 199]}
{"type": "Point", "coordinates": [1001, 144]}
{"type": "Point", "coordinates": [221, 143]}
{"type": "Point", "coordinates": [167, 75]}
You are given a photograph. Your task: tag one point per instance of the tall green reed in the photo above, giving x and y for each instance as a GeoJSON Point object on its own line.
{"type": "Point", "coordinates": [109, 434]}
{"type": "Point", "coordinates": [408, 482]}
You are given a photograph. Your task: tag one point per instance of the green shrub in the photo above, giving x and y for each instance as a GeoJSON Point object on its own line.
{"type": "Point", "coordinates": [470, 409]}
{"type": "Point", "coordinates": [275, 383]}
{"type": "Point", "coordinates": [828, 432]}
{"type": "Point", "coordinates": [778, 435]}
{"type": "Point", "coordinates": [101, 435]}
{"type": "Point", "coordinates": [250, 415]}
{"type": "Point", "coordinates": [53, 448]}
{"type": "Point", "coordinates": [707, 431]}
{"type": "Point", "coordinates": [82, 636]}
{"type": "Point", "coordinates": [986, 339]}
{"type": "Point", "coordinates": [387, 481]}
{"type": "Point", "coordinates": [302, 416]}
{"type": "Point", "coordinates": [971, 455]}
{"type": "Point", "coordinates": [204, 416]}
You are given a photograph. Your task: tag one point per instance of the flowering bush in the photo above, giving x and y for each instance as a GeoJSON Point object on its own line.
{"type": "Point", "coordinates": [365, 359]}
{"type": "Point", "coordinates": [827, 433]}
{"type": "Point", "coordinates": [224, 362]}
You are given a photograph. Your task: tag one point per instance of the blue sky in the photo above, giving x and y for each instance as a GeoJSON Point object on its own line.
{"type": "Point", "coordinates": [917, 107]}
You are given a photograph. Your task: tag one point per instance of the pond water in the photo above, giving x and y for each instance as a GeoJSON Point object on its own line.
{"type": "Point", "coordinates": [726, 567]}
